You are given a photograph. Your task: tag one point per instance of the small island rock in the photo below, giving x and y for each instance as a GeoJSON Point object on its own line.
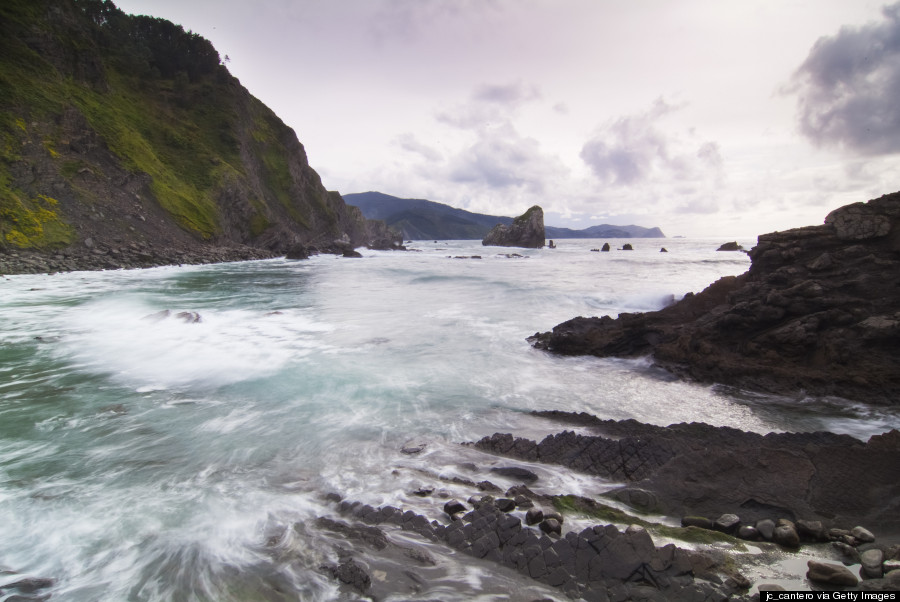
{"type": "Point", "coordinates": [527, 230]}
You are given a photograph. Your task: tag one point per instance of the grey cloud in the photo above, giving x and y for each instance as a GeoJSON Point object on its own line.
{"type": "Point", "coordinates": [409, 142]}
{"type": "Point", "coordinates": [849, 85]}
{"type": "Point", "coordinates": [629, 149]}
{"type": "Point", "coordinates": [502, 159]}
{"type": "Point", "coordinates": [490, 104]}
{"type": "Point", "coordinates": [507, 94]}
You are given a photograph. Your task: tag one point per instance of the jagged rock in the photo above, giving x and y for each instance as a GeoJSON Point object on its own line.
{"type": "Point", "coordinates": [527, 230]}
{"type": "Point", "coordinates": [352, 574]}
{"type": "Point", "coordinates": [663, 250]}
{"type": "Point", "coordinates": [730, 246]}
{"type": "Point", "coordinates": [831, 574]}
{"type": "Point", "coordinates": [812, 313]}
{"type": "Point", "coordinates": [696, 469]}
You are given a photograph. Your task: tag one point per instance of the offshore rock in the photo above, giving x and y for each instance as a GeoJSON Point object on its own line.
{"type": "Point", "coordinates": [818, 312]}
{"type": "Point", "coordinates": [527, 230]}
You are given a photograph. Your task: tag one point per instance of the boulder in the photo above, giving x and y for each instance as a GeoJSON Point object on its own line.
{"type": "Point", "coordinates": [871, 561]}
{"type": "Point", "coordinates": [786, 534]}
{"type": "Point", "coordinates": [830, 574]}
{"type": "Point", "coordinates": [527, 230]}
{"type": "Point", "coordinates": [862, 534]}
{"type": "Point", "coordinates": [627, 247]}
{"type": "Point", "coordinates": [605, 247]}
{"type": "Point", "coordinates": [730, 246]}
{"type": "Point", "coordinates": [727, 523]}
{"type": "Point", "coordinates": [516, 473]}
{"type": "Point", "coordinates": [534, 516]}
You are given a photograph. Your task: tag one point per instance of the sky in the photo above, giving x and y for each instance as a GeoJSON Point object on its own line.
{"type": "Point", "coordinates": [705, 118]}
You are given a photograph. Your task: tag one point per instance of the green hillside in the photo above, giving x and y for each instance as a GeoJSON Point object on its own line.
{"type": "Point", "coordinates": [129, 129]}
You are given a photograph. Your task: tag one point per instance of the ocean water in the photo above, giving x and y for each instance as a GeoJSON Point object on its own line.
{"type": "Point", "coordinates": [145, 456]}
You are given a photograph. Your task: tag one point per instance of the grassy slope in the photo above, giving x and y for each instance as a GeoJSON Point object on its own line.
{"type": "Point", "coordinates": [184, 132]}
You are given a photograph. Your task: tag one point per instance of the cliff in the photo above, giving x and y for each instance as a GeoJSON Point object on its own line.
{"type": "Point", "coordinates": [125, 141]}
{"type": "Point", "coordinates": [817, 312]}
{"type": "Point", "coordinates": [527, 231]}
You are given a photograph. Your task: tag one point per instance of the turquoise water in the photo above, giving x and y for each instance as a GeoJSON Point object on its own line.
{"type": "Point", "coordinates": [148, 457]}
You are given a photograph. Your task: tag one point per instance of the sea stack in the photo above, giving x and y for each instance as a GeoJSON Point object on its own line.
{"type": "Point", "coordinates": [527, 231]}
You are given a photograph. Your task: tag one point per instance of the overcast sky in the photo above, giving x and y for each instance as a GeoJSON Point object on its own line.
{"type": "Point", "coordinates": [703, 117]}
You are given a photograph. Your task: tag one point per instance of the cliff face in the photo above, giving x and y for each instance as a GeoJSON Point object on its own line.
{"type": "Point", "coordinates": [125, 141]}
{"type": "Point", "coordinates": [818, 311]}
{"type": "Point", "coordinates": [527, 231]}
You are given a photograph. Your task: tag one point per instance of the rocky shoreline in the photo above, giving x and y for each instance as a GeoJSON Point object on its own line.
{"type": "Point", "coordinates": [726, 488]}
{"type": "Point", "coordinates": [818, 313]}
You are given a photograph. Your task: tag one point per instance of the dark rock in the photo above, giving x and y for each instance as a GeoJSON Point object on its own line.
{"type": "Point", "coordinates": [534, 516]}
{"type": "Point", "coordinates": [663, 250]}
{"type": "Point", "coordinates": [454, 506]}
{"type": "Point", "coordinates": [517, 473]}
{"type": "Point", "coordinates": [523, 502]}
{"type": "Point", "coordinates": [605, 247]}
{"type": "Point", "coordinates": [697, 469]}
{"type": "Point", "coordinates": [413, 449]}
{"type": "Point", "coordinates": [627, 247]}
{"type": "Point", "coordinates": [551, 526]}
{"type": "Point", "coordinates": [352, 574]}
{"type": "Point", "coordinates": [830, 574]}
{"type": "Point", "coordinates": [30, 584]}
{"type": "Point", "coordinates": [730, 246]}
{"type": "Point", "coordinates": [504, 504]}
{"type": "Point", "coordinates": [786, 534]}
{"type": "Point", "coordinates": [352, 253]}
{"type": "Point", "coordinates": [696, 521]}
{"type": "Point", "coordinates": [862, 534]}
{"type": "Point", "coordinates": [871, 561]}
{"type": "Point", "coordinates": [298, 252]}
{"type": "Point", "coordinates": [811, 314]}
{"type": "Point", "coordinates": [749, 533]}
{"type": "Point", "coordinates": [527, 230]}
{"type": "Point", "coordinates": [811, 530]}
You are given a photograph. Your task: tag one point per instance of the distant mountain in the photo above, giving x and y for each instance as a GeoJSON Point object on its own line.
{"type": "Point", "coordinates": [419, 219]}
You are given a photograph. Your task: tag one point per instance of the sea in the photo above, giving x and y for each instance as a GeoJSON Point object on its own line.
{"type": "Point", "coordinates": [174, 433]}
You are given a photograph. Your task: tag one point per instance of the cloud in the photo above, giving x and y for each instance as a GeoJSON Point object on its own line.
{"type": "Point", "coordinates": [509, 95]}
{"type": "Point", "coordinates": [503, 159]}
{"type": "Point", "coordinates": [849, 88]}
{"type": "Point", "coordinates": [635, 149]}
{"type": "Point", "coordinates": [490, 105]}
{"type": "Point", "coordinates": [410, 143]}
